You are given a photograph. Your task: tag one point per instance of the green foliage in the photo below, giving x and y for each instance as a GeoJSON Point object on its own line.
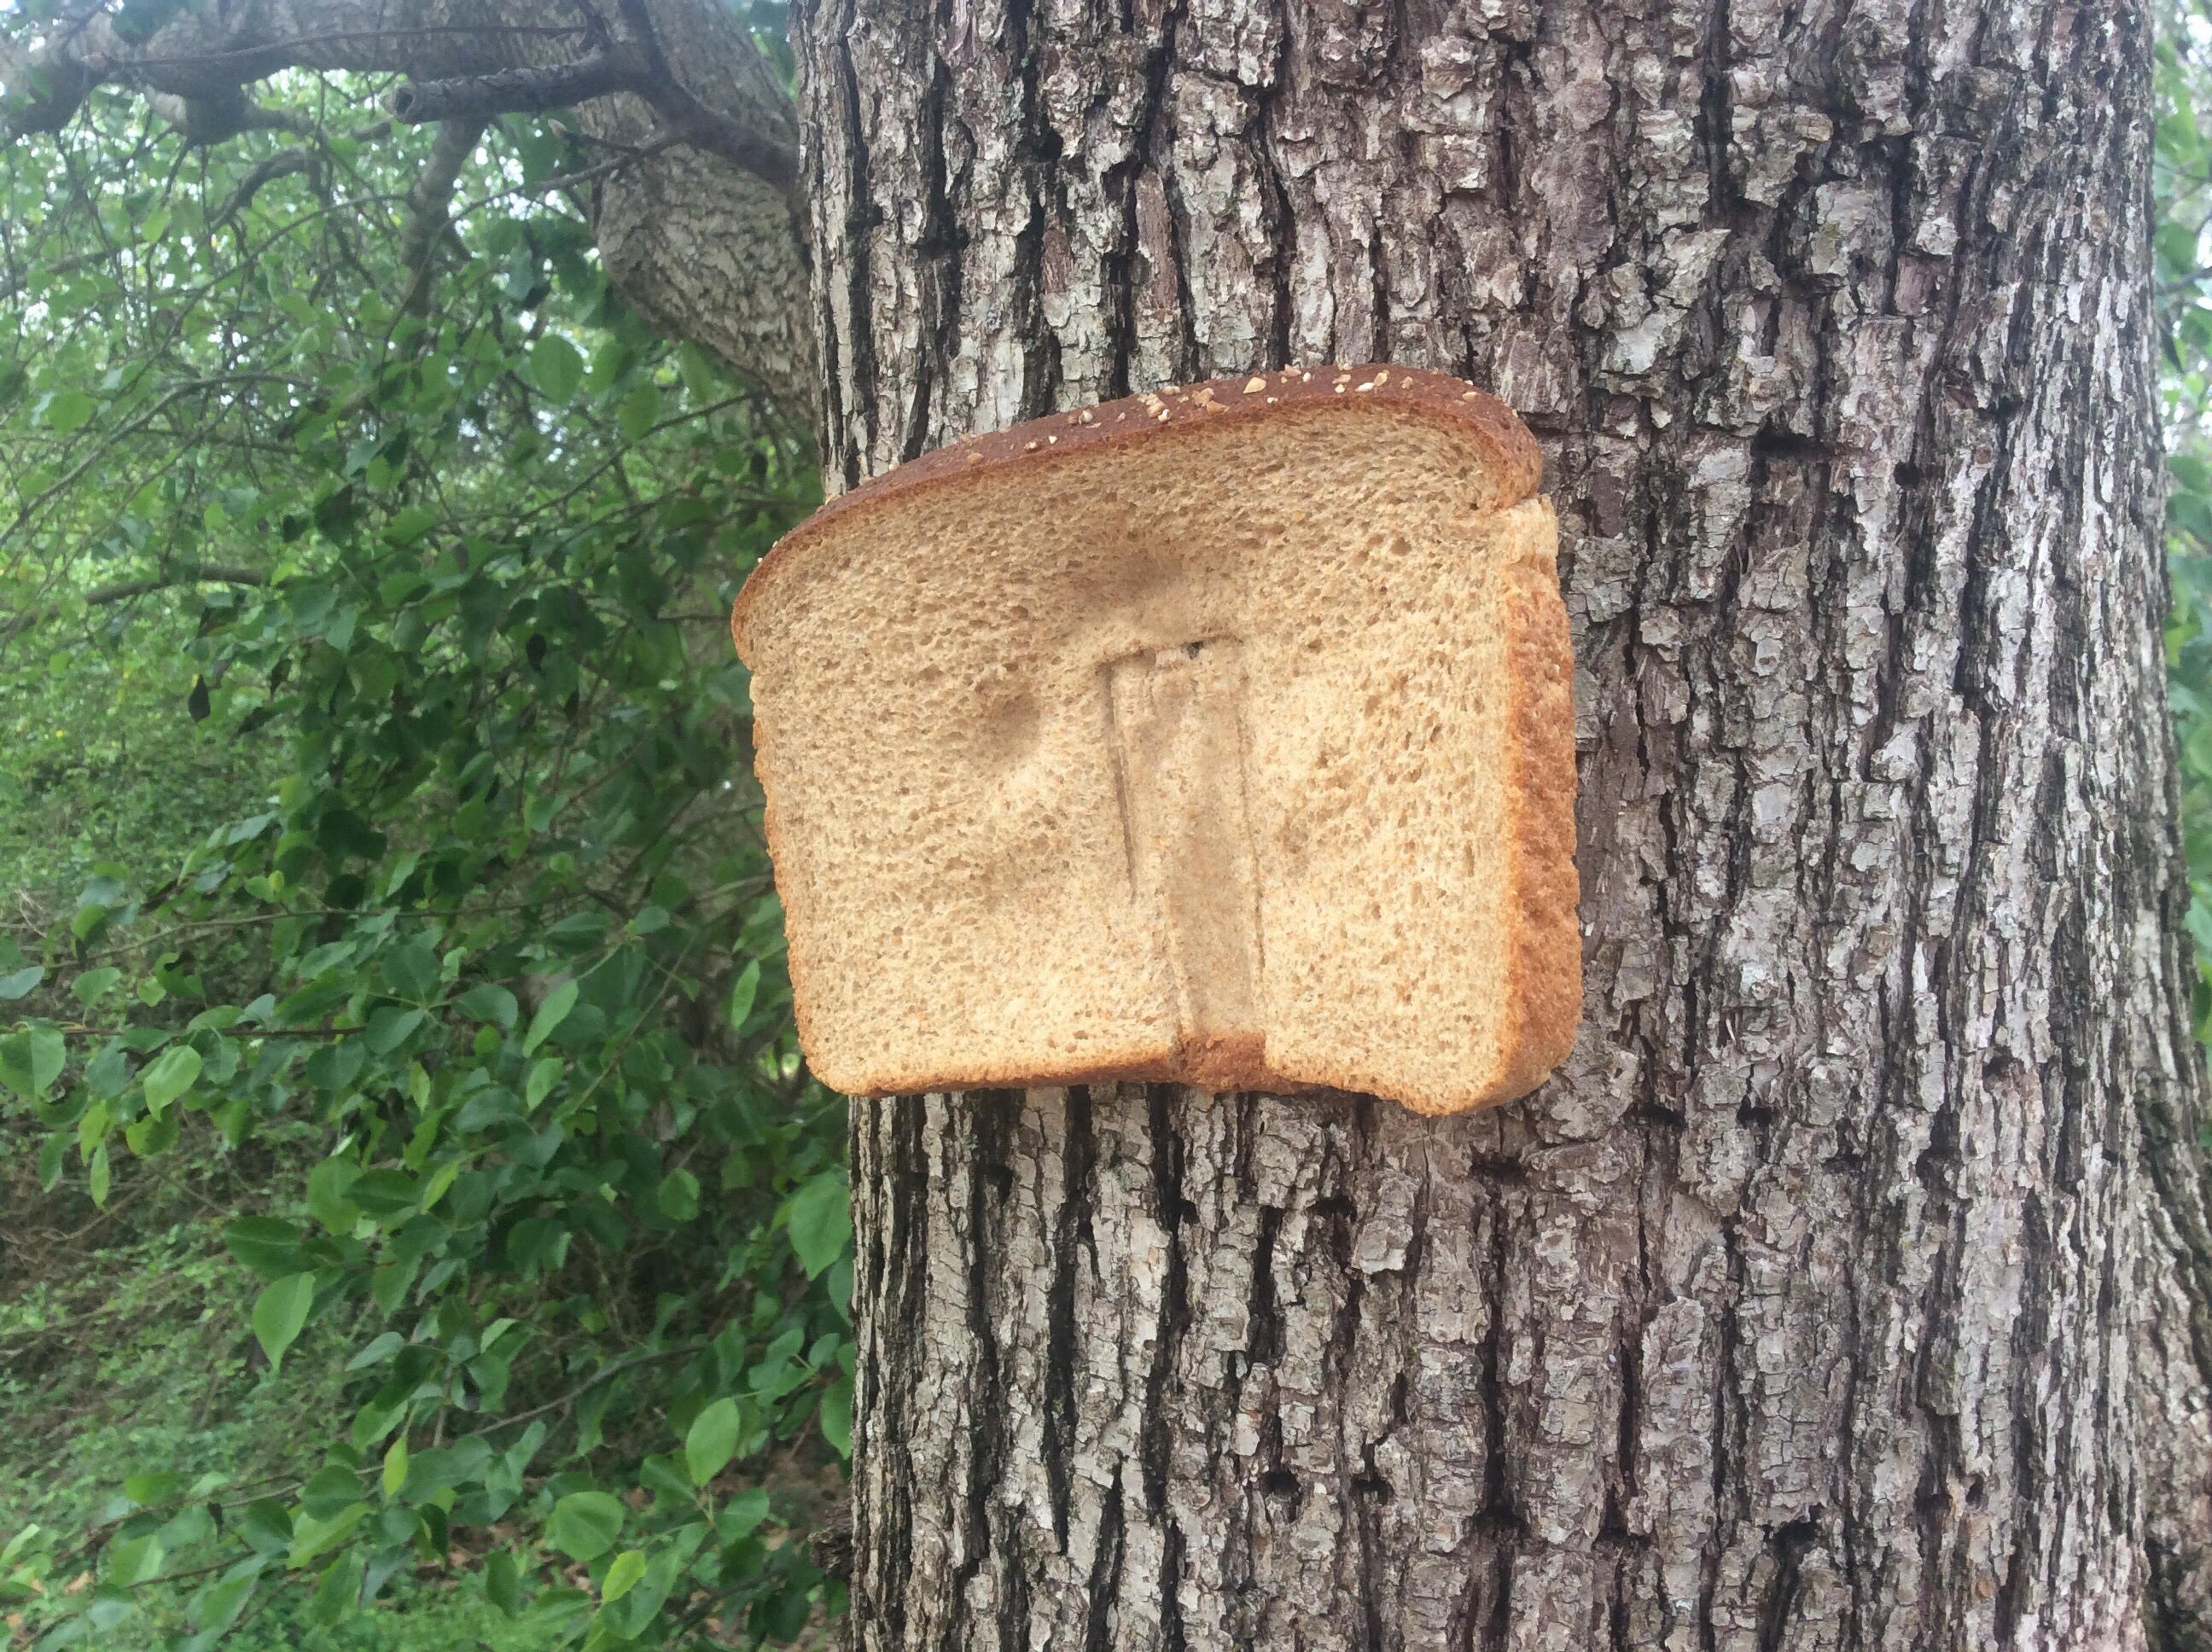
{"type": "Point", "coordinates": [2183, 265]}
{"type": "Point", "coordinates": [457, 920]}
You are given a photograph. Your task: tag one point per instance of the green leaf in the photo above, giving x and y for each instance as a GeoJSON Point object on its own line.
{"type": "Point", "coordinates": [381, 1347]}
{"type": "Point", "coordinates": [107, 1073]}
{"type": "Point", "coordinates": [409, 525]}
{"type": "Point", "coordinates": [550, 1014]}
{"type": "Point", "coordinates": [173, 1073]}
{"type": "Point", "coordinates": [90, 987]}
{"type": "Point", "coordinates": [31, 1061]}
{"type": "Point", "coordinates": [135, 1561]}
{"type": "Point", "coordinates": [20, 982]}
{"type": "Point", "coordinates": [266, 1526]}
{"type": "Point", "coordinates": [70, 409]}
{"type": "Point", "coordinates": [98, 1181]}
{"type": "Point", "coordinates": [338, 1592]}
{"type": "Point", "coordinates": [641, 411]}
{"type": "Point", "coordinates": [313, 1538]}
{"type": "Point", "coordinates": [543, 1075]}
{"type": "Point", "coordinates": [391, 1027]}
{"type": "Point", "coordinates": [552, 1609]}
{"type": "Point", "coordinates": [219, 1606]}
{"type": "Point", "coordinates": [411, 971]}
{"type": "Point", "coordinates": [742, 992]}
{"type": "Point", "coordinates": [279, 1313]}
{"type": "Point", "coordinates": [441, 1180]}
{"type": "Point", "coordinates": [92, 1129]}
{"type": "Point", "coordinates": [742, 1514]}
{"type": "Point", "coordinates": [580, 932]}
{"type": "Point", "coordinates": [555, 367]}
{"type": "Point", "coordinates": [49, 1053]}
{"type": "Point", "coordinates": [330, 1490]}
{"type": "Point", "coordinates": [395, 1467]}
{"type": "Point", "coordinates": [712, 1441]}
{"type": "Point", "coordinates": [157, 1486]}
{"type": "Point", "coordinates": [678, 1195]}
{"type": "Point", "coordinates": [155, 1133]}
{"type": "Point", "coordinates": [627, 1619]}
{"type": "Point", "coordinates": [263, 1244]}
{"type": "Point", "coordinates": [385, 1193]}
{"type": "Point", "coordinates": [821, 1221]}
{"type": "Point", "coordinates": [488, 1002]}
{"type": "Point", "coordinates": [326, 1194]}
{"type": "Point", "coordinates": [585, 1525]}
{"type": "Point", "coordinates": [503, 1582]}
{"type": "Point", "coordinates": [837, 1416]}
{"type": "Point", "coordinates": [622, 1575]}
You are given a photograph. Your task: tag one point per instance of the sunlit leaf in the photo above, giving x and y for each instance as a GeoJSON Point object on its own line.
{"type": "Point", "coordinates": [172, 1072]}
{"type": "Point", "coordinates": [821, 1221]}
{"type": "Point", "coordinates": [623, 1575]}
{"type": "Point", "coordinates": [550, 1014]}
{"type": "Point", "coordinates": [742, 992]}
{"type": "Point", "coordinates": [712, 1441]}
{"type": "Point", "coordinates": [280, 1312]}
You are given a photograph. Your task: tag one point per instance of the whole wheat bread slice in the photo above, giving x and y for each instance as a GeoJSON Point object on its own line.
{"type": "Point", "coordinates": [1222, 736]}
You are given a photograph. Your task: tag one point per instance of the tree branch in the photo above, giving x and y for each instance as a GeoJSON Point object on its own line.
{"type": "Point", "coordinates": [638, 67]}
{"type": "Point", "coordinates": [428, 221]}
{"type": "Point", "coordinates": [182, 574]}
{"type": "Point", "coordinates": [284, 163]}
{"type": "Point", "coordinates": [101, 596]}
{"type": "Point", "coordinates": [519, 91]}
{"type": "Point", "coordinates": [214, 119]}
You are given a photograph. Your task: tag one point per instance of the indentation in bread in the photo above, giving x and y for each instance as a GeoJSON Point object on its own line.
{"type": "Point", "coordinates": [1233, 748]}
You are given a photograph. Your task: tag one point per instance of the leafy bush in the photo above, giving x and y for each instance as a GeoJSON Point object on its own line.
{"type": "Point", "coordinates": [2184, 273]}
{"type": "Point", "coordinates": [470, 1009]}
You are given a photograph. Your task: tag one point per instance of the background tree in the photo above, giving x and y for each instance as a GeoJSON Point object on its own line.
{"type": "Point", "coordinates": [1846, 1289]}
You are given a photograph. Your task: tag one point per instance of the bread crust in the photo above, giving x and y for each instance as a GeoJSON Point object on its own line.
{"type": "Point", "coordinates": [1545, 974]}
{"type": "Point", "coordinates": [1548, 960]}
{"type": "Point", "coordinates": [1514, 471]}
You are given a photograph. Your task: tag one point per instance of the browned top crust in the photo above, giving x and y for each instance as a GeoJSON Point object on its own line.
{"type": "Point", "coordinates": [1516, 466]}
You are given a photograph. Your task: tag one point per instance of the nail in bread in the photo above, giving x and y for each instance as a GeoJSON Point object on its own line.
{"type": "Point", "coordinates": [1222, 736]}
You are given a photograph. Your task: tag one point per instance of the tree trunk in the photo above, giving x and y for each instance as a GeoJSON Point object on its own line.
{"type": "Point", "coordinates": [1846, 1288]}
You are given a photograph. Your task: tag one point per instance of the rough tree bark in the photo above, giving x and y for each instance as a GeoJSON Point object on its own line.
{"type": "Point", "coordinates": [1846, 1289]}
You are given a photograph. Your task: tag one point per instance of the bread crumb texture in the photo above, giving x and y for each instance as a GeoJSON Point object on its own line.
{"type": "Point", "coordinates": [1222, 736]}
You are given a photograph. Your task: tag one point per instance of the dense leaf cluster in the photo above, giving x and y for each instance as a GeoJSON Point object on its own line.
{"type": "Point", "coordinates": [487, 968]}
{"type": "Point", "coordinates": [2184, 273]}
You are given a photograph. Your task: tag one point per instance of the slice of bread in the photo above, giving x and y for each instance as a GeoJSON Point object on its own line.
{"type": "Point", "coordinates": [1222, 736]}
